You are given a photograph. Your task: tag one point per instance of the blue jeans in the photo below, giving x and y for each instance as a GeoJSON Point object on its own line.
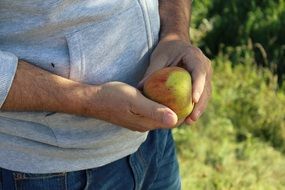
{"type": "Point", "coordinates": [152, 166]}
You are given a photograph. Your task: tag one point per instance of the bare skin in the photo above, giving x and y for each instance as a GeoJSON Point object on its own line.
{"type": "Point", "coordinates": [34, 89]}
{"type": "Point", "coordinates": [175, 49]}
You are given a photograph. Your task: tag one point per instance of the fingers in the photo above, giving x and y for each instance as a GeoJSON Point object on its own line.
{"type": "Point", "coordinates": [160, 58]}
{"type": "Point", "coordinates": [180, 122]}
{"type": "Point", "coordinates": [198, 84]}
{"type": "Point", "coordinates": [201, 72]}
{"type": "Point", "coordinates": [201, 85]}
{"type": "Point", "coordinates": [130, 109]}
{"type": "Point", "coordinates": [196, 63]}
{"type": "Point", "coordinates": [143, 124]}
{"type": "Point", "coordinates": [159, 64]}
{"type": "Point", "coordinates": [199, 67]}
{"type": "Point", "coordinates": [156, 112]}
{"type": "Point", "coordinates": [200, 107]}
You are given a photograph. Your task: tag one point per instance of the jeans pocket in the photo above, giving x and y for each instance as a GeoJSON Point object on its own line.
{"type": "Point", "coordinates": [53, 181]}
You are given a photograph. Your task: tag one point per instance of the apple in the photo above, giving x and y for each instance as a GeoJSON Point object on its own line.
{"type": "Point", "coordinates": [171, 86]}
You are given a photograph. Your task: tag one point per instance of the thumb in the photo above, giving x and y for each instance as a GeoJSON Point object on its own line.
{"type": "Point", "coordinates": [157, 112]}
{"type": "Point", "coordinates": [155, 65]}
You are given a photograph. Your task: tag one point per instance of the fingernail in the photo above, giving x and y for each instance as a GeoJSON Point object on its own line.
{"type": "Point", "coordinates": [196, 96]}
{"type": "Point", "coordinates": [169, 119]}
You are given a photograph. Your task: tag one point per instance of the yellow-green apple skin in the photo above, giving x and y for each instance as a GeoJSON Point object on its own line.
{"type": "Point", "coordinates": [171, 86]}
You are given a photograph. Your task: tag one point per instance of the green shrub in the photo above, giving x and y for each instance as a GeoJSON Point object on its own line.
{"type": "Point", "coordinates": [226, 25]}
{"type": "Point", "coordinates": [250, 99]}
{"type": "Point", "coordinates": [239, 142]}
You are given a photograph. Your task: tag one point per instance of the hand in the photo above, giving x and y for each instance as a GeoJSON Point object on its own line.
{"type": "Point", "coordinates": [124, 105]}
{"type": "Point", "coordinates": [183, 54]}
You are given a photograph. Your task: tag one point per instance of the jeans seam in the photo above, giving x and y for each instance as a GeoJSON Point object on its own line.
{"type": "Point", "coordinates": [141, 158]}
{"type": "Point", "coordinates": [65, 181]}
{"type": "Point", "coordinates": [87, 173]}
{"type": "Point", "coordinates": [169, 142]}
{"type": "Point", "coordinates": [134, 171]}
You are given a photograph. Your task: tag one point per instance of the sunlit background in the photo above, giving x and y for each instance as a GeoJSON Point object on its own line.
{"type": "Point", "coordinates": [239, 143]}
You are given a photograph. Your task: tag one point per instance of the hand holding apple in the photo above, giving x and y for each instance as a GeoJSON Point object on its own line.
{"type": "Point", "coordinates": [175, 52]}
{"type": "Point", "coordinates": [171, 86]}
{"type": "Point", "coordinates": [124, 105]}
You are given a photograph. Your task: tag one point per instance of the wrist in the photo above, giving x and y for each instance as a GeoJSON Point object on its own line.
{"type": "Point", "coordinates": [175, 19]}
{"type": "Point", "coordinates": [83, 100]}
{"type": "Point", "coordinates": [166, 37]}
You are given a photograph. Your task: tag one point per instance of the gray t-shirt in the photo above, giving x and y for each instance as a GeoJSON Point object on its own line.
{"type": "Point", "coordinates": [88, 41]}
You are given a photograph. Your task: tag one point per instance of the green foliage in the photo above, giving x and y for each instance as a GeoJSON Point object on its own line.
{"type": "Point", "coordinates": [249, 97]}
{"type": "Point", "coordinates": [212, 158]}
{"type": "Point", "coordinates": [239, 143]}
{"type": "Point", "coordinates": [229, 24]}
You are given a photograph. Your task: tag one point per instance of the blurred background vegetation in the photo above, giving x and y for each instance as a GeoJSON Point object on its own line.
{"type": "Point", "coordinates": [239, 143]}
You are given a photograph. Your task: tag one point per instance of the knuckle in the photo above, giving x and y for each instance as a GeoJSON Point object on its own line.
{"type": "Point", "coordinates": [203, 108]}
{"type": "Point", "coordinates": [210, 71]}
{"type": "Point", "coordinates": [209, 67]}
{"type": "Point", "coordinates": [201, 72]}
{"type": "Point", "coordinates": [209, 62]}
{"type": "Point", "coordinates": [194, 118]}
{"type": "Point", "coordinates": [209, 92]}
{"type": "Point", "coordinates": [199, 69]}
{"type": "Point", "coordinates": [196, 50]}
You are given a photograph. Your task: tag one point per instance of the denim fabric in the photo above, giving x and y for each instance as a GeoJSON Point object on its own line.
{"type": "Point", "coordinates": [154, 166]}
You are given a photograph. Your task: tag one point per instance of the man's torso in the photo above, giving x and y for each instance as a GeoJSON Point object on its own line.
{"type": "Point", "coordinates": [88, 41]}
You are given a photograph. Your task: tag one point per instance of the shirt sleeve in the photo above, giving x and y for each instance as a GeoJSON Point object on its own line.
{"type": "Point", "coordinates": [8, 67]}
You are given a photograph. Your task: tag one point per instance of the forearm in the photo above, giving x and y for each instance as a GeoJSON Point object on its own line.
{"type": "Point", "coordinates": [175, 19]}
{"type": "Point", "coordinates": [34, 89]}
